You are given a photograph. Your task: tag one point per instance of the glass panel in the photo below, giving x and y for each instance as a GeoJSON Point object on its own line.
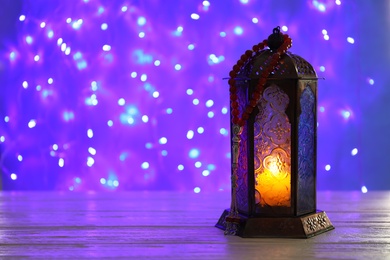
{"type": "Point", "coordinates": [272, 145]}
{"type": "Point", "coordinates": [306, 153]}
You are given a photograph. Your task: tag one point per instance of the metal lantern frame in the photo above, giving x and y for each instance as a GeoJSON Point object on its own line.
{"type": "Point", "coordinates": [290, 96]}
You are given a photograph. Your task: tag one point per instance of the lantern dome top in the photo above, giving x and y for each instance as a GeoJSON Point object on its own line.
{"type": "Point", "coordinates": [291, 66]}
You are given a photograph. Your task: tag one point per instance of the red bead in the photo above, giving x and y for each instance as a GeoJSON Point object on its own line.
{"type": "Point", "coordinates": [235, 120]}
{"type": "Point", "coordinates": [261, 46]}
{"type": "Point", "coordinates": [232, 74]}
{"type": "Point", "coordinates": [249, 53]}
{"type": "Point", "coordinates": [240, 63]}
{"type": "Point", "coordinates": [265, 42]}
{"type": "Point", "coordinates": [241, 122]}
{"type": "Point", "coordinates": [248, 109]}
{"type": "Point", "coordinates": [285, 36]}
{"type": "Point", "coordinates": [256, 95]}
{"type": "Point", "coordinates": [255, 48]}
{"type": "Point", "coordinates": [253, 103]}
{"type": "Point", "coordinates": [259, 88]}
{"type": "Point", "coordinates": [233, 89]}
{"type": "Point", "coordinates": [235, 112]}
{"type": "Point", "coordinates": [262, 81]}
{"type": "Point", "coordinates": [234, 104]}
{"type": "Point", "coordinates": [236, 68]}
{"type": "Point", "coordinates": [265, 73]}
{"type": "Point", "coordinates": [233, 97]}
{"type": "Point", "coordinates": [231, 82]}
{"type": "Point", "coordinates": [245, 116]}
{"type": "Point", "coordinates": [274, 63]}
{"type": "Point", "coordinates": [275, 56]}
{"type": "Point", "coordinates": [244, 57]}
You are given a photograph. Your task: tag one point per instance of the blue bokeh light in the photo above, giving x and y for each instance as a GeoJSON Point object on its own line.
{"type": "Point", "coordinates": [111, 95]}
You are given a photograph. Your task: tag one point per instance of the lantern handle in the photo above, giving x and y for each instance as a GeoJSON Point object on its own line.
{"type": "Point", "coordinates": [276, 29]}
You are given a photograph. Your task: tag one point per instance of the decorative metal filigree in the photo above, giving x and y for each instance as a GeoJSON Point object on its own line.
{"type": "Point", "coordinates": [316, 223]}
{"type": "Point", "coordinates": [322, 221]}
{"type": "Point", "coordinates": [272, 145]}
{"type": "Point", "coordinates": [242, 170]}
{"type": "Point", "coordinates": [278, 163]}
{"type": "Point", "coordinates": [303, 67]}
{"type": "Point", "coordinates": [311, 223]}
{"type": "Point", "coordinates": [306, 152]}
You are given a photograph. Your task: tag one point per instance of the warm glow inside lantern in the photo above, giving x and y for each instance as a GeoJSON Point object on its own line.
{"type": "Point", "coordinates": [273, 105]}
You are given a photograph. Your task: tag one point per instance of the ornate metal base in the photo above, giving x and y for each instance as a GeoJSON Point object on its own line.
{"type": "Point", "coordinates": [305, 226]}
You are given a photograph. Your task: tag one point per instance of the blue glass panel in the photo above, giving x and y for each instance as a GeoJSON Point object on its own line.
{"type": "Point", "coordinates": [306, 153]}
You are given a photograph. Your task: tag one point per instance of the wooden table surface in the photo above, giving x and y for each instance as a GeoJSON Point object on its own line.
{"type": "Point", "coordinates": [172, 225]}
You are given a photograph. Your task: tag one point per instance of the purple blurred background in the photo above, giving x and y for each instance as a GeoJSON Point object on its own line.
{"type": "Point", "coordinates": [128, 95]}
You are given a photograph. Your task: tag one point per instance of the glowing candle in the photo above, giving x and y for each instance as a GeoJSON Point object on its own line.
{"type": "Point", "coordinates": [273, 181]}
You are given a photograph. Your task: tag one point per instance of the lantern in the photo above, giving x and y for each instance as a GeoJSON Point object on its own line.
{"type": "Point", "coordinates": [273, 126]}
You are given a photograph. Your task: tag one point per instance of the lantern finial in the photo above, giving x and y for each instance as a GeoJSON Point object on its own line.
{"type": "Point", "coordinates": [275, 40]}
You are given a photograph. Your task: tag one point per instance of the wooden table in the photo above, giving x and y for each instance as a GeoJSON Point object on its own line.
{"type": "Point", "coordinates": [171, 225]}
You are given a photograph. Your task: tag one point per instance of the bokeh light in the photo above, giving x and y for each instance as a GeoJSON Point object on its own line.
{"type": "Point", "coordinates": [121, 95]}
